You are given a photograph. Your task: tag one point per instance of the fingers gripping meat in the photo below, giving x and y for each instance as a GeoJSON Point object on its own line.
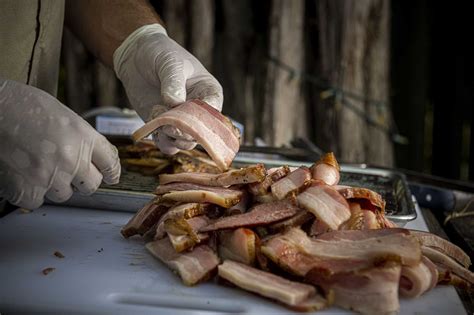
{"type": "Point", "coordinates": [206, 125]}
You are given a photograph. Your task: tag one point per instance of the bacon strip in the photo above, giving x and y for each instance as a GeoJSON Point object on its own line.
{"type": "Point", "coordinates": [326, 204]}
{"type": "Point", "coordinates": [319, 228]}
{"type": "Point", "coordinates": [439, 258]}
{"type": "Point", "coordinates": [354, 235]}
{"type": "Point", "coordinates": [205, 124]}
{"type": "Point", "coordinates": [326, 169]}
{"type": "Point", "coordinates": [192, 267]}
{"type": "Point", "coordinates": [240, 207]}
{"type": "Point", "coordinates": [183, 233]}
{"type": "Point", "coordinates": [267, 284]}
{"type": "Point", "coordinates": [247, 175]}
{"type": "Point", "coordinates": [372, 291]}
{"type": "Point", "coordinates": [360, 219]}
{"type": "Point", "coordinates": [292, 182]}
{"type": "Point", "coordinates": [185, 211]}
{"type": "Point", "coordinates": [444, 246]}
{"type": "Point", "coordinates": [398, 246]}
{"type": "Point", "coordinates": [238, 245]}
{"type": "Point", "coordinates": [297, 220]}
{"type": "Point", "coordinates": [273, 175]}
{"type": "Point", "coordinates": [187, 192]}
{"type": "Point", "coordinates": [184, 242]}
{"type": "Point", "coordinates": [416, 280]}
{"type": "Point", "coordinates": [144, 219]}
{"type": "Point", "coordinates": [225, 201]}
{"type": "Point", "coordinates": [290, 258]}
{"type": "Point", "coordinates": [262, 214]}
{"type": "Point", "coordinates": [358, 193]}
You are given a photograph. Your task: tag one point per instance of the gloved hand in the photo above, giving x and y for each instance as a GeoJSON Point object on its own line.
{"type": "Point", "coordinates": [158, 74]}
{"type": "Point", "coordinates": [46, 148]}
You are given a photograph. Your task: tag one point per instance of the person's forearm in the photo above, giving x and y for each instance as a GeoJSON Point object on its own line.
{"type": "Point", "coordinates": [102, 25]}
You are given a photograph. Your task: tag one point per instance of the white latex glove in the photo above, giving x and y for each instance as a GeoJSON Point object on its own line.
{"type": "Point", "coordinates": [158, 74]}
{"type": "Point", "coordinates": [46, 149]}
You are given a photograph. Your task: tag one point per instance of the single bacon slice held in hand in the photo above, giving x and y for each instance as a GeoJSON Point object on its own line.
{"type": "Point", "coordinates": [215, 132]}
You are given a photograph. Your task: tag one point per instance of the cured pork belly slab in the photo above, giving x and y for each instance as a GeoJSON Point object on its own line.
{"type": "Point", "coordinates": [192, 267]}
{"type": "Point", "coordinates": [444, 246]}
{"type": "Point", "coordinates": [446, 262]}
{"type": "Point", "coordinates": [262, 214]}
{"type": "Point", "coordinates": [240, 207]}
{"type": "Point", "coordinates": [375, 199]}
{"type": "Point", "coordinates": [205, 124]}
{"type": "Point", "coordinates": [356, 251]}
{"type": "Point", "coordinates": [247, 175]}
{"type": "Point", "coordinates": [326, 169]}
{"type": "Point", "coordinates": [267, 284]}
{"type": "Point", "coordinates": [371, 291]}
{"type": "Point", "coordinates": [145, 218]}
{"type": "Point", "coordinates": [187, 192]}
{"type": "Point", "coordinates": [273, 175]}
{"type": "Point", "coordinates": [416, 280]}
{"type": "Point", "coordinates": [326, 204]}
{"type": "Point", "coordinates": [360, 219]}
{"type": "Point", "coordinates": [290, 258]}
{"type": "Point", "coordinates": [238, 245]}
{"type": "Point", "coordinates": [292, 182]}
{"type": "Point", "coordinates": [297, 220]}
{"type": "Point", "coordinates": [183, 233]}
{"type": "Point", "coordinates": [183, 211]}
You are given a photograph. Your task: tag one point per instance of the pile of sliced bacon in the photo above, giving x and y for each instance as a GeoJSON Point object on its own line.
{"type": "Point", "coordinates": [294, 236]}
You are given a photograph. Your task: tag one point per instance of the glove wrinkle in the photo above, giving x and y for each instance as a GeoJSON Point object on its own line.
{"type": "Point", "coordinates": [46, 148]}
{"type": "Point", "coordinates": [158, 74]}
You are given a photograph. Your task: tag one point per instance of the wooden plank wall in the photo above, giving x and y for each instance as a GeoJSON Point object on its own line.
{"type": "Point", "coordinates": [318, 69]}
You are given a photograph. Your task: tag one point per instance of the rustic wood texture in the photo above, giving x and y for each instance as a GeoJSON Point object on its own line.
{"type": "Point", "coordinates": [201, 42]}
{"type": "Point", "coordinates": [175, 18]}
{"type": "Point", "coordinates": [354, 58]}
{"type": "Point", "coordinates": [284, 107]}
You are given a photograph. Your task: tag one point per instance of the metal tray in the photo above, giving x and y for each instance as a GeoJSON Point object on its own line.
{"type": "Point", "coordinates": [135, 189]}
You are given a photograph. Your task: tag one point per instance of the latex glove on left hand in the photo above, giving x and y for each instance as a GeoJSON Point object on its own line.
{"type": "Point", "coordinates": [157, 74]}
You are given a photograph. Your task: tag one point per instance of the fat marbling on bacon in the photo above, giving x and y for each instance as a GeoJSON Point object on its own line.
{"type": "Point", "coordinates": [273, 175]}
{"type": "Point", "coordinates": [416, 280]}
{"type": "Point", "coordinates": [187, 192]}
{"type": "Point", "coordinates": [269, 285]}
{"type": "Point", "coordinates": [246, 175]}
{"type": "Point", "coordinates": [262, 214]}
{"type": "Point", "coordinates": [325, 203]}
{"type": "Point", "coordinates": [145, 218]}
{"type": "Point", "coordinates": [365, 269]}
{"type": "Point", "coordinates": [192, 267]}
{"type": "Point", "coordinates": [292, 182]}
{"type": "Point", "coordinates": [326, 169]}
{"type": "Point", "coordinates": [215, 132]}
{"type": "Point", "coordinates": [238, 245]}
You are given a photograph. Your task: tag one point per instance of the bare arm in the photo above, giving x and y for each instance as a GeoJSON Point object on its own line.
{"type": "Point", "coordinates": [102, 25]}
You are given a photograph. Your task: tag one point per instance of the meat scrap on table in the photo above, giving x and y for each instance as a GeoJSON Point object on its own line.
{"type": "Point", "coordinates": [294, 236]}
